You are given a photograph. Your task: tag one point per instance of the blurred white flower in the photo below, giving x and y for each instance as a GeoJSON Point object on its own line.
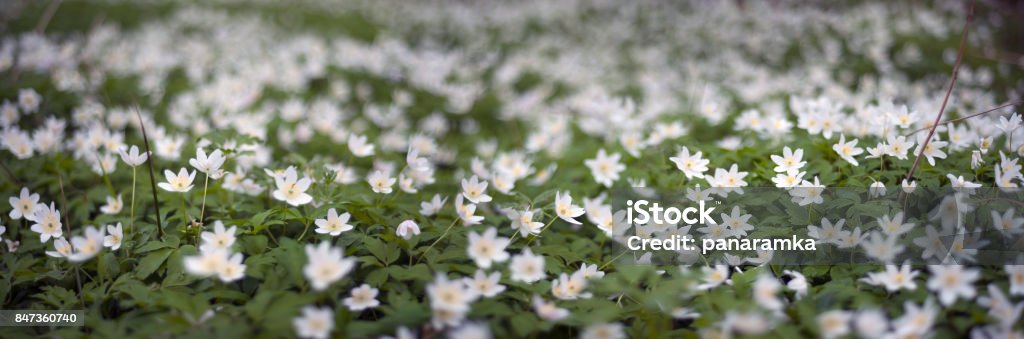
{"type": "Point", "coordinates": [88, 246]}
{"type": "Point", "coordinates": [113, 206]}
{"type": "Point", "coordinates": [220, 238]}
{"type": "Point", "coordinates": [358, 145]}
{"type": "Point", "coordinates": [487, 248]}
{"type": "Point", "coordinates": [380, 182]}
{"type": "Point", "coordinates": [952, 281]}
{"type": "Point", "coordinates": [527, 267]}
{"type": "Point", "coordinates": [315, 322]}
{"type": "Point", "coordinates": [361, 298]}
{"type": "Point", "coordinates": [326, 265]}
{"type": "Point", "coordinates": [485, 285]}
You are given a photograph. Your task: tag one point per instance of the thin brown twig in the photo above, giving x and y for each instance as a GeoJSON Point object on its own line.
{"type": "Point", "coordinates": [1008, 104]}
{"type": "Point", "coordinates": [949, 90]}
{"type": "Point", "coordinates": [44, 20]}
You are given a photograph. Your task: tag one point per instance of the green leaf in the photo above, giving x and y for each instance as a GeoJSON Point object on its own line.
{"type": "Point", "coordinates": [152, 262]}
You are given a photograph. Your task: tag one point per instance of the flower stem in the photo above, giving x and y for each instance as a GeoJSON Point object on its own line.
{"type": "Point", "coordinates": [456, 220]}
{"type": "Point", "coordinates": [306, 229]}
{"type": "Point", "coordinates": [131, 212]}
{"type": "Point", "coordinates": [202, 212]}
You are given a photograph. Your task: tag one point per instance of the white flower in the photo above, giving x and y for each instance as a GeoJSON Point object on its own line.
{"type": "Point", "coordinates": [790, 160]}
{"type": "Point", "coordinates": [451, 295]}
{"type": "Point", "coordinates": [548, 310]}
{"type": "Point", "coordinates": [182, 182]}
{"type": "Point", "coordinates": [429, 208]}
{"type": "Point", "coordinates": [415, 162]}
{"type": "Point", "coordinates": [407, 229]}
{"type": "Point", "coordinates": [466, 212]}
{"type": "Point", "coordinates": [1008, 125]}
{"type": "Point", "coordinates": [898, 146]}
{"type": "Point", "coordinates": [62, 248]}
{"type": "Point", "coordinates": [47, 223]}
{"type": "Point", "coordinates": [1016, 277]}
{"type": "Point", "coordinates": [334, 224]}
{"type": "Point", "coordinates": [916, 319]}
{"type": "Point", "coordinates": [522, 221]}
{"type": "Point", "coordinates": [380, 182]}
{"type": "Point", "coordinates": [231, 269]}
{"type": "Point", "coordinates": [569, 287]}
{"type": "Point", "coordinates": [29, 100]}
{"type": "Point", "coordinates": [604, 331]}
{"type": "Point", "coordinates": [12, 246]}
{"type": "Point", "coordinates": [220, 238]}
{"type": "Point", "coordinates": [291, 189]}
{"type": "Point", "coordinates": [713, 277]}
{"type": "Point", "coordinates": [737, 223]}
{"type": "Point", "coordinates": [847, 150]}
{"type": "Point", "coordinates": [894, 225]}
{"type": "Point", "coordinates": [326, 265]}
{"type": "Point", "coordinates": [207, 263]}
{"type": "Point", "coordinates": [728, 181]}
{"type": "Point", "coordinates": [605, 168]}
{"type": "Point", "coordinates": [487, 248]}
{"type": "Point", "coordinates": [876, 189]}
{"type": "Point", "coordinates": [314, 323]}
{"type": "Point", "coordinates": [114, 237]}
{"type": "Point", "coordinates": [827, 232]}
{"type": "Point", "coordinates": [881, 247]}
{"type": "Point", "coordinates": [113, 206]}
{"type": "Point", "coordinates": [471, 331]}
{"type": "Point", "coordinates": [88, 246]}
{"type": "Point", "coordinates": [362, 297]}
{"type": "Point", "coordinates": [834, 323]}
{"type": "Point", "coordinates": [932, 150]}
{"type": "Point", "coordinates": [24, 205]}
{"type": "Point", "coordinates": [208, 164]}
{"type": "Point", "coordinates": [894, 278]}
{"type": "Point", "coordinates": [358, 145]}
{"type": "Point", "coordinates": [909, 187]}
{"type": "Point", "coordinates": [527, 267]}
{"type": "Point", "coordinates": [952, 281]}
{"type": "Point", "coordinates": [959, 184]}
{"type": "Point", "coordinates": [475, 190]}
{"type": "Point", "coordinates": [132, 156]}
{"type": "Point", "coordinates": [871, 323]}
{"type": "Point", "coordinates": [565, 209]}
{"type": "Point", "coordinates": [693, 166]}
{"type": "Point", "coordinates": [485, 285]}
{"type": "Point", "coordinates": [766, 289]}
{"type": "Point", "coordinates": [797, 283]}
{"type": "Point", "coordinates": [788, 179]}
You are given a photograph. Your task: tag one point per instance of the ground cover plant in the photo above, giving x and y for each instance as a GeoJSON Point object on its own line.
{"type": "Point", "coordinates": [456, 169]}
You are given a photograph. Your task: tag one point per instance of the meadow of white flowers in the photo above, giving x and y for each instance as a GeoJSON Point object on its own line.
{"type": "Point", "coordinates": [450, 168]}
